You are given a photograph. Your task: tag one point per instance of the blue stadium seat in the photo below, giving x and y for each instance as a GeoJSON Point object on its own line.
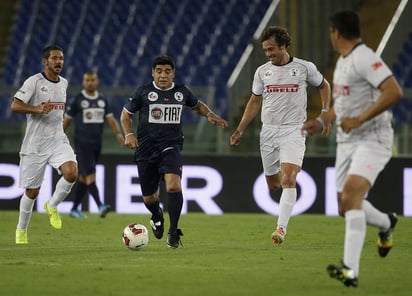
{"type": "Point", "coordinates": [119, 38]}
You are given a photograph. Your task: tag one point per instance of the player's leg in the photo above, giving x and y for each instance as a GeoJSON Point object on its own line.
{"type": "Point", "coordinates": [291, 153]}
{"type": "Point", "coordinates": [25, 211]}
{"type": "Point", "coordinates": [287, 200]}
{"type": "Point", "coordinates": [149, 183]}
{"type": "Point", "coordinates": [171, 167]}
{"type": "Point", "coordinates": [352, 196]}
{"type": "Point", "coordinates": [369, 160]}
{"type": "Point", "coordinates": [32, 169]}
{"type": "Point", "coordinates": [94, 192]}
{"type": "Point", "coordinates": [84, 156]}
{"type": "Point", "coordinates": [80, 190]}
{"type": "Point", "coordinates": [64, 160]}
{"type": "Point", "coordinates": [89, 165]}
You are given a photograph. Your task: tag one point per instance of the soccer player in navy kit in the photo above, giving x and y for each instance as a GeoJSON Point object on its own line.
{"type": "Point", "coordinates": [89, 110]}
{"type": "Point", "coordinates": [159, 141]}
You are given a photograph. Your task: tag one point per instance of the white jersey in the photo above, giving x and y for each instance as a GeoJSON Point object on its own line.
{"type": "Point", "coordinates": [356, 80]}
{"type": "Point", "coordinates": [283, 91]}
{"type": "Point", "coordinates": [43, 130]}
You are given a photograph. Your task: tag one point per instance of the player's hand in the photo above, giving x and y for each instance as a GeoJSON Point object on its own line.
{"type": "Point", "coordinates": [45, 107]}
{"type": "Point", "coordinates": [217, 120]}
{"type": "Point", "coordinates": [349, 123]}
{"type": "Point", "coordinates": [120, 139]}
{"type": "Point", "coordinates": [131, 141]}
{"type": "Point", "coordinates": [235, 138]}
{"type": "Point", "coordinates": [312, 127]}
{"type": "Point", "coordinates": [325, 120]}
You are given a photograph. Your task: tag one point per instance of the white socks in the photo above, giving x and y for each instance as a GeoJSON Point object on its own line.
{"type": "Point", "coordinates": [62, 190]}
{"type": "Point", "coordinates": [26, 208]}
{"type": "Point", "coordinates": [355, 231]}
{"type": "Point", "coordinates": [375, 217]}
{"type": "Point", "coordinates": [287, 201]}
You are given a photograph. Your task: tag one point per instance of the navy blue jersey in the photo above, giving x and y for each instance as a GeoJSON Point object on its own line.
{"type": "Point", "coordinates": [160, 117]}
{"type": "Point", "coordinates": [88, 115]}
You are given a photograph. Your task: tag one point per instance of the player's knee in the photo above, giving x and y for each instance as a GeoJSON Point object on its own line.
{"type": "Point", "coordinates": [32, 193]}
{"type": "Point", "coordinates": [174, 188]}
{"type": "Point", "coordinates": [273, 186]}
{"type": "Point", "coordinates": [288, 181]}
{"type": "Point", "coordinates": [70, 172]}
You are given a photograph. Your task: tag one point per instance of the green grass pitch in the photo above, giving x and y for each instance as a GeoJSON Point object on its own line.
{"type": "Point", "coordinates": [230, 254]}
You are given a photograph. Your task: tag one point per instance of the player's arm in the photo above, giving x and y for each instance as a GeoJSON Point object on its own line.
{"type": "Point", "coordinates": [18, 106]}
{"type": "Point", "coordinates": [212, 117]}
{"type": "Point", "coordinates": [126, 120]}
{"type": "Point", "coordinates": [66, 122]}
{"type": "Point", "coordinates": [391, 93]}
{"type": "Point", "coordinates": [252, 108]}
{"type": "Point", "coordinates": [325, 96]}
{"type": "Point", "coordinates": [114, 125]}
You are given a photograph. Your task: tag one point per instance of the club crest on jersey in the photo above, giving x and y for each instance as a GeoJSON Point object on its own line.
{"type": "Point", "coordinates": [101, 103]}
{"type": "Point", "coordinates": [179, 96]}
{"type": "Point", "coordinates": [84, 104]}
{"type": "Point", "coordinates": [44, 89]}
{"type": "Point", "coordinates": [152, 96]}
{"type": "Point", "coordinates": [294, 72]}
{"type": "Point", "coordinates": [268, 74]}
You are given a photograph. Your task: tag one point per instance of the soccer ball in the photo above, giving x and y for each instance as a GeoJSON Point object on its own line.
{"type": "Point", "coordinates": [135, 236]}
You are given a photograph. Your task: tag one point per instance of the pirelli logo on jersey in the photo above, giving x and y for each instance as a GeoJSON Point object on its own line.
{"type": "Point", "coordinates": [58, 105]}
{"type": "Point", "coordinates": [341, 90]}
{"type": "Point", "coordinates": [165, 113]}
{"type": "Point", "coordinates": [275, 88]}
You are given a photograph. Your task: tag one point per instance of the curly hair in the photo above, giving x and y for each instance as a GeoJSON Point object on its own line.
{"type": "Point", "coordinates": [280, 34]}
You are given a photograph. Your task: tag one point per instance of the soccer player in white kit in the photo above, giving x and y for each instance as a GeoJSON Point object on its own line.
{"type": "Point", "coordinates": [279, 90]}
{"type": "Point", "coordinates": [363, 91]}
{"type": "Point", "coordinates": [42, 98]}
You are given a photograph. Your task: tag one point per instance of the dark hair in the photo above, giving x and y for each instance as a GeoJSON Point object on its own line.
{"type": "Point", "coordinates": [48, 49]}
{"type": "Point", "coordinates": [280, 34]}
{"type": "Point", "coordinates": [90, 72]}
{"type": "Point", "coordinates": [347, 23]}
{"type": "Point", "coordinates": [163, 60]}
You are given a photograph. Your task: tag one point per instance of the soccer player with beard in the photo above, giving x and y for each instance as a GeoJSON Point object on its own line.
{"type": "Point", "coordinates": [43, 98]}
{"type": "Point", "coordinates": [159, 140]}
{"type": "Point", "coordinates": [279, 90]}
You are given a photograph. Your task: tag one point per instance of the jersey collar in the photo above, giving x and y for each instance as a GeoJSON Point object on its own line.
{"type": "Point", "coordinates": [156, 87]}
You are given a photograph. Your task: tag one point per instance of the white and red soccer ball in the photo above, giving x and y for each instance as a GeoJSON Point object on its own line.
{"type": "Point", "coordinates": [135, 236]}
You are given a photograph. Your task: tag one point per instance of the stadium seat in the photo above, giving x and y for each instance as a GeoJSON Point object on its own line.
{"type": "Point", "coordinates": [120, 37]}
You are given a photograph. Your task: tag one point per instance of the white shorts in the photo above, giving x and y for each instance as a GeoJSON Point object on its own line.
{"type": "Point", "coordinates": [281, 145]}
{"type": "Point", "coordinates": [33, 166]}
{"type": "Point", "coordinates": [366, 159]}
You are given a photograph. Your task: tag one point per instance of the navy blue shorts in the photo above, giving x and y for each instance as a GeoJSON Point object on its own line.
{"type": "Point", "coordinates": [87, 159]}
{"type": "Point", "coordinates": [150, 171]}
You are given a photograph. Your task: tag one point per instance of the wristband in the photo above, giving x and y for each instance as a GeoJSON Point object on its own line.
{"type": "Point", "coordinates": [321, 121]}
{"type": "Point", "coordinates": [129, 134]}
{"type": "Point", "coordinates": [324, 110]}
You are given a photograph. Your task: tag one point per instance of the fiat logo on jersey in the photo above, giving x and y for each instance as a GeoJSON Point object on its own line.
{"type": "Point", "coordinates": [156, 113]}
{"type": "Point", "coordinates": [152, 96]}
